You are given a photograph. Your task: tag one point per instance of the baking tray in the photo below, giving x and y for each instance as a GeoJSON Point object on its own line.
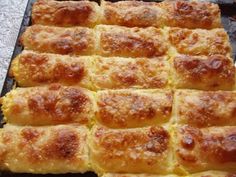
{"type": "Point", "coordinates": [228, 16]}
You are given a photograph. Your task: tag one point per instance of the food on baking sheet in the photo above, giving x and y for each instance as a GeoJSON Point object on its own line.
{"type": "Point", "coordinates": [76, 40]}
{"type": "Point", "coordinates": [49, 105]}
{"type": "Point", "coordinates": [131, 42]}
{"type": "Point", "coordinates": [134, 108]}
{"type": "Point", "coordinates": [168, 13]}
{"type": "Point", "coordinates": [205, 108]}
{"type": "Point", "coordinates": [216, 72]}
{"type": "Point", "coordinates": [201, 174]}
{"type": "Point", "coordinates": [66, 13]}
{"type": "Point", "coordinates": [46, 149]}
{"type": "Point", "coordinates": [117, 72]}
{"type": "Point", "coordinates": [200, 41]}
{"type": "Point", "coordinates": [32, 68]}
{"type": "Point", "coordinates": [104, 40]}
{"type": "Point", "coordinates": [92, 72]}
{"type": "Point", "coordinates": [138, 150]}
{"type": "Point", "coordinates": [211, 148]}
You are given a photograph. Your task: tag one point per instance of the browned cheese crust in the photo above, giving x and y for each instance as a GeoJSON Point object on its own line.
{"type": "Point", "coordinates": [49, 105]}
{"type": "Point", "coordinates": [74, 41]}
{"type": "Point", "coordinates": [52, 149]}
{"type": "Point", "coordinates": [172, 13]}
{"type": "Point", "coordinates": [207, 148]}
{"type": "Point", "coordinates": [205, 108]}
{"type": "Point", "coordinates": [140, 150]}
{"type": "Point", "coordinates": [134, 108]}
{"type": "Point", "coordinates": [65, 13]}
{"type": "Point", "coordinates": [200, 41]}
{"type": "Point", "coordinates": [131, 42]}
{"type": "Point", "coordinates": [215, 72]}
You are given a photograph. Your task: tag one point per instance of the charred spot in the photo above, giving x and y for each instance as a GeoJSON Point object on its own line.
{"type": "Point", "coordinates": [159, 140]}
{"type": "Point", "coordinates": [43, 103]}
{"type": "Point", "coordinates": [183, 7]}
{"type": "Point", "coordinates": [63, 45]}
{"type": "Point", "coordinates": [64, 145]}
{"type": "Point", "coordinates": [77, 98]}
{"type": "Point", "coordinates": [72, 72]}
{"type": "Point", "coordinates": [30, 134]}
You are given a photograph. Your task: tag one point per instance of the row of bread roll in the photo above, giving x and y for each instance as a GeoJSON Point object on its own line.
{"type": "Point", "coordinates": [127, 13]}
{"type": "Point", "coordinates": [108, 40]}
{"type": "Point", "coordinates": [154, 150]}
{"type": "Point", "coordinates": [128, 108]}
{"type": "Point", "coordinates": [215, 72]}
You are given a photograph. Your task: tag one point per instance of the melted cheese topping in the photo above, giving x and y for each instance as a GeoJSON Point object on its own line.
{"type": "Point", "coordinates": [192, 14]}
{"type": "Point", "coordinates": [77, 40]}
{"type": "Point", "coordinates": [202, 109]}
{"type": "Point", "coordinates": [134, 108]}
{"type": "Point", "coordinates": [66, 13]}
{"type": "Point", "coordinates": [141, 150]}
{"type": "Point", "coordinates": [116, 72]}
{"type": "Point", "coordinates": [52, 149]}
{"type": "Point", "coordinates": [131, 42]}
{"type": "Point", "coordinates": [32, 69]}
{"type": "Point", "coordinates": [172, 13]}
{"type": "Point", "coordinates": [49, 105]}
{"type": "Point", "coordinates": [200, 41]}
{"type": "Point", "coordinates": [215, 72]}
{"type": "Point", "coordinates": [204, 149]}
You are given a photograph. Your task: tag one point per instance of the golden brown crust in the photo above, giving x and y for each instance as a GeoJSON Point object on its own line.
{"type": "Point", "coordinates": [32, 69]}
{"type": "Point", "coordinates": [192, 14]}
{"type": "Point", "coordinates": [206, 73]}
{"type": "Point", "coordinates": [172, 13]}
{"type": "Point", "coordinates": [55, 149]}
{"type": "Point", "coordinates": [66, 13]}
{"type": "Point", "coordinates": [133, 13]}
{"type": "Point", "coordinates": [49, 105]}
{"type": "Point", "coordinates": [74, 41]}
{"type": "Point", "coordinates": [131, 42]}
{"type": "Point", "coordinates": [203, 109]}
{"type": "Point", "coordinates": [129, 108]}
{"type": "Point", "coordinates": [115, 72]}
{"type": "Point", "coordinates": [141, 150]}
{"type": "Point", "coordinates": [204, 149]}
{"type": "Point", "coordinates": [199, 41]}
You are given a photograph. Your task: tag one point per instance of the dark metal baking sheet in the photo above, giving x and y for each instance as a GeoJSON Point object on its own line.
{"type": "Point", "coordinates": [228, 12]}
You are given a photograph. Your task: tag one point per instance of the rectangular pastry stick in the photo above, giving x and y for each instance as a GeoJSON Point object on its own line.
{"type": "Point", "coordinates": [66, 13]}
{"type": "Point", "coordinates": [200, 41]}
{"type": "Point", "coordinates": [119, 72]}
{"type": "Point", "coordinates": [48, 105]}
{"type": "Point", "coordinates": [131, 42]}
{"type": "Point", "coordinates": [47, 149]}
{"type": "Point", "coordinates": [205, 149]}
{"type": "Point", "coordinates": [134, 108]}
{"type": "Point", "coordinates": [74, 41]}
{"type": "Point", "coordinates": [178, 13]}
{"type": "Point", "coordinates": [205, 108]}
{"type": "Point", "coordinates": [32, 69]}
{"type": "Point", "coordinates": [215, 72]}
{"type": "Point", "coordinates": [92, 72]}
{"type": "Point", "coordinates": [139, 150]}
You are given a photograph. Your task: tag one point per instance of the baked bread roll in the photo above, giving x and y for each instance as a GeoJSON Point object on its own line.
{"type": "Point", "coordinates": [46, 149]}
{"type": "Point", "coordinates": [49, 105]}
